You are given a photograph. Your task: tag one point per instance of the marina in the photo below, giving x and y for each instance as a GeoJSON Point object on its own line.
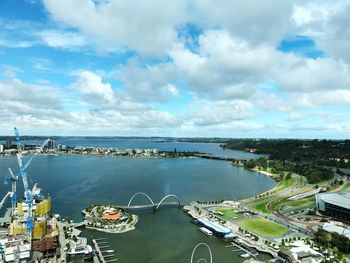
{"type": "Point", "coordinates": [102, 252]}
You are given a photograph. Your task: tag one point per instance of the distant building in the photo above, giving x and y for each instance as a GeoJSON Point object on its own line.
{"type": "Point", "coordinates": [1, 148]}
{"type": "Point", "coordinates": [335, 204]}
{"type": "Point", "coordinates": [299, 252]}
{"type": "Point", "coordinates": [51, 145]}
{"type": "Point", "coordinates": [61, 147]}
{"type": "Point", "coordinates": [8, 143]}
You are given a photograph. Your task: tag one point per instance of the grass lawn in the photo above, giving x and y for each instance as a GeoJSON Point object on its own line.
{"type": "Point", "coordinates": [261, 207]}
{"type": "Point", "coordinates": [276, 203]}
{"type": "Point", "coordinates": [285, 184]}
{"type": "Point", "coordinates": [263, 227]}
{"type": "Point", "coordinates": [228, 213]}
{"type": "Point", "coordinates": [302, 202]}
{"type": "Point", "coordinates": [345, 187]}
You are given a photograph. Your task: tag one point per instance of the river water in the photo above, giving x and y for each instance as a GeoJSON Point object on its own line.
{"type": "Point", "coordinates": [75, 182]}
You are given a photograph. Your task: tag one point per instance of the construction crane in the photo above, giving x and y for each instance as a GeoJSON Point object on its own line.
{"type": "Point", "coordinates": [23, 174]}
{"type": "Point", "coordinates": [13, 180]}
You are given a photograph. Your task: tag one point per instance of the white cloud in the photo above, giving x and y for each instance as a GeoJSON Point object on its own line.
{"type": "Point", "coordinates": [327, 23]}
{"type": "Point", "coordinates": [149, 83]}
{"type": "Point", "coordinates": [145, 26]}
{"type": "Point", "coordinates": [171, 89]}
{"type": "Point", "coordinates": [305, 75]}
{"type": "Point", "coordinates": [321, 98]}
{"type": "Point", "coordinates": [227, 70]}
{"type": "Point", "coordinates": [257, 21]}
{"type": "Point", "coordinates": [62, 39]}
{"type": "Point", "coordinates": [209, 113]}
{"type": "Point", "coordinates": [41, 109]}
{"type": "Point", "coordinates": [226, 67]}
{"type": "Point", "coordinates": [34, 97]}
{"type": "Point", "coordinates": [92, 89]}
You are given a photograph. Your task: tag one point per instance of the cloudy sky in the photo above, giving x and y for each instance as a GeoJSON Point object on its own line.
{"type": "Point", "coordinates": [208, 68]}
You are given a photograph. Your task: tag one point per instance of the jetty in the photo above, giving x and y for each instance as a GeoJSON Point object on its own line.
{"type": "Point", "coordinates": [103, 253]}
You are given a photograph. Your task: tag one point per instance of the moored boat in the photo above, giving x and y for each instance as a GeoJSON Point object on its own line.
{"type": "Point", "coordinates": [206, 231]}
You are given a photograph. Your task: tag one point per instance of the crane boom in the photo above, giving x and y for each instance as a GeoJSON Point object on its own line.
{"type": "Point", "coordinates": [36, 153]}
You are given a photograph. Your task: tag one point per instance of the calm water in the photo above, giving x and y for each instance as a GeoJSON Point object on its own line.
{"type": "Point", "coordinates": [165, 236]}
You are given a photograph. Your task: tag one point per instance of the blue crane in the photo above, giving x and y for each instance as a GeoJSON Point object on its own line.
{"type": "Point", "coordinates": [13, 178]}
{"type": "Point", "coordinates": [23, 174]}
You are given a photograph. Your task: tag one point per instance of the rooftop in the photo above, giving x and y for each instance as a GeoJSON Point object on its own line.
{"type": "Point", "coordinates": [338, 198]}
{"type": "Point", "coordinates": [214, 226]}
{"type": "Point", "coordinates": [111, 216]}
{"type": "Point", "coordinates": [337, 229]}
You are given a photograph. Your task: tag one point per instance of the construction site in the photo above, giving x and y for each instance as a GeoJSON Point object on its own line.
{"type": "Point", "coordinates": [28, 228]}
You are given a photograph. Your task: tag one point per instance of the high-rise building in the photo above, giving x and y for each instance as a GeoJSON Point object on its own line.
{"type": "Point", "coordinates": [8, 143]}
{"type": "Point", "coordinates": [1, 148]}
{"type": "Point", "coordinates": [51, 145]}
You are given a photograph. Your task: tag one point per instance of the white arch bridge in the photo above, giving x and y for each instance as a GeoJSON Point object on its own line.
{"type": "Point", "coordinates": [152, 205]}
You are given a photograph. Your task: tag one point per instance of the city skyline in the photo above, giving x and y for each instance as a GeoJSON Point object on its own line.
{"type": "Point", "coordinates": [190, 68]}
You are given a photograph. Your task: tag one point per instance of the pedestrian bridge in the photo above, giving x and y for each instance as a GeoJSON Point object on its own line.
{"type": "Point", "coordinates": [153, 205]}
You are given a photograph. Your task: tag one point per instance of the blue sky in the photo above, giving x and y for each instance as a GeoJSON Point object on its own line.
{"type": "Point", "coordinates": [209, 68]}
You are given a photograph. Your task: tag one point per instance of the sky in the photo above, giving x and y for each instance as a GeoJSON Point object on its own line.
{"type": "Point", "coordinates": [181, 68]}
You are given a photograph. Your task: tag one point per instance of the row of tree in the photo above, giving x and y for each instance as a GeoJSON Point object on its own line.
{"type": "Point", "coordinates": [313, 172]}
{"type": "Point", "coordinates": [321, 152]}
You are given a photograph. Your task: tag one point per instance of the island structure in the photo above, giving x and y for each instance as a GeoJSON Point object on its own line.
{"type": "Point", "coordinates": [109, 218]}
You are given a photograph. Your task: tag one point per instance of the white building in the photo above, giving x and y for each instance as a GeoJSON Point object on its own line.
{"type": "Point", "coordinates": [1, 148]}
{"type": "Point", "coordinates": [15, 250]}
{"type": "Point", "coordinates": [299, 252]}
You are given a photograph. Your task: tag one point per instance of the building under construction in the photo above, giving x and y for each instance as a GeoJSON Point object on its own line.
{"type": "Point", "coordinates": [30, 228]}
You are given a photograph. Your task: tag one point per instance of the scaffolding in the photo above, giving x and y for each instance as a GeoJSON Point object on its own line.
{"type": "Point", "coordinates": [20, 209]}
{"type": "Point", "coordinates": [17, 228]}
{"type": "Point", "coordinates": [39, 229]}
{"type": "Point", "coordinates": [44, 207]}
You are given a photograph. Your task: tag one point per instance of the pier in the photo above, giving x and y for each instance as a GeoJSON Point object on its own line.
{"type": "Point", "coordinates": [80, 224]}
{"type": "Point", "coordinates": [103, 254]}
{"type": "Point", "coordinates": [252, 252]}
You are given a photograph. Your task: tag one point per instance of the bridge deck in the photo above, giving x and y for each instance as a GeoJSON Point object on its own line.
{"type": "Point", "coordinates": [220, 157]}
{"type": "Point", "coordinates": [149, 206]}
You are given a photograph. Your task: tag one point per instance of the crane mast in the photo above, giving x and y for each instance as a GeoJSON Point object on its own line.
{"type": "Point", "coordinates": [22, 170]}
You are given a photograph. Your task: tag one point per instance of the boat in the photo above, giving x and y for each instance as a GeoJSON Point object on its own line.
{"type": "Point", "coordinates": [246, 255]}
{"type": "Point", "coordinates": [206, 231]}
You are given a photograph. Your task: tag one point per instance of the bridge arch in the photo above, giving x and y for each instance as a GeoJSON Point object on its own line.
{"type": "Point", "coordinates": [140, 193]}
{"type": "Point", "coordinates": [167, 196]}
{"type": "Point", "coordinates": [194, 250]}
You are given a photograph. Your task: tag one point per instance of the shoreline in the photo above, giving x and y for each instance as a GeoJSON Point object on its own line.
{"type": "Point", "coordinates": [92, 219]}
{"type": "Point", "coordinates": [131, 226]}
